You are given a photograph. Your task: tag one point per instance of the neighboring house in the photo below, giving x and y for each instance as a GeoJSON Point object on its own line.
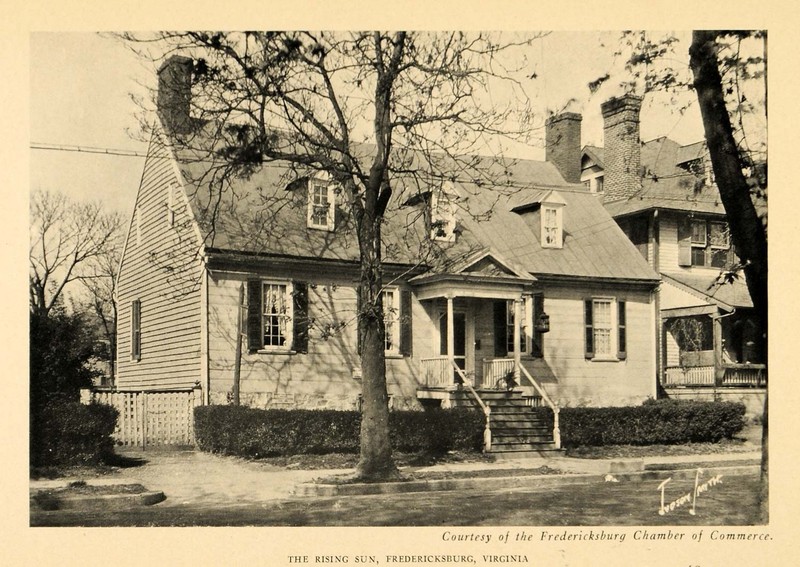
{"type": "Point", "coordinates": [484, 285]}
{"type": "Point", "coordinates": [663, 197]}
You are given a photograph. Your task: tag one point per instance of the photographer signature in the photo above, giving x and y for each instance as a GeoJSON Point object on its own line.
{"type": "Point", "coordinates": [689, 496]}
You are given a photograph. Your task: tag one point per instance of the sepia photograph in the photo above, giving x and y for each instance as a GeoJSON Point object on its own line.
{"type": "Point", "coordinates": [504, 292]}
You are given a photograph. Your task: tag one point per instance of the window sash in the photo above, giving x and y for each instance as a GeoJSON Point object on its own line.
{"type": "Point", "coordinates": [320, 205]}
{"type": "Point", "coordinates": [391, 320]}
{"type": "Point", "coordinates": [276, 315]}
{"type": "Point", "coordinates": [699, 236]}
{"type": "Point", "coordinates": [603, 327]}
{"type": "Point", "coordinates": [718, 235]}
{"type": "Point", "coordinates": [510, 327]}
{"type": "Point", "coordinates": [550, 226]}
{"type": "Point", "coordinates": [443, 217]}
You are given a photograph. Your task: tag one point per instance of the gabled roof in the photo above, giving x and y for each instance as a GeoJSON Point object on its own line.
{"type": "Point", "coordinates": [595, 153]}
{"type": "Point", "coordinates": [258, 215]}
{"type": "Point", "coordinates": [667, 186]}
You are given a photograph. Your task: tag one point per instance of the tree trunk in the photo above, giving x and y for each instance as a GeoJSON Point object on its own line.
{"type": "Point", "coordinates": [746, 228]}
{"type": "Point", "coordinates": [375, 461]}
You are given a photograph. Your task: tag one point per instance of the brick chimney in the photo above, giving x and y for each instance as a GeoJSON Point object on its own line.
{"type": "Point", "coordinates": [175, 94]}
{"type": "Point", "coordinates": [563, 144]}
{"type": "Point", "coordinates": [622, 152]}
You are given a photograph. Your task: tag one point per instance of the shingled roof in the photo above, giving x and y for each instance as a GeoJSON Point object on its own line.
{"type": "Point", "coordinates": [666, 185]}
{"type": "Point", "coordinates": [265, 214]}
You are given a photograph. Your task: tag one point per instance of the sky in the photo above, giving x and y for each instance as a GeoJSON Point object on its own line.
{"type": "Point", "coordinates": [82, 86]}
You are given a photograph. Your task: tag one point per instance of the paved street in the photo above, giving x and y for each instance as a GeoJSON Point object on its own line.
{"type": "Point", "coordinates": [731, 502]}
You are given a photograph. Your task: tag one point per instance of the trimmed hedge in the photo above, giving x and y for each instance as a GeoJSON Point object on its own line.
{"type": "Point", "coordinates": [71, 433]}
{"type": "Point", "coordinates": [249, 432]}
{"type": "Point", "coordinates": [667, 422]}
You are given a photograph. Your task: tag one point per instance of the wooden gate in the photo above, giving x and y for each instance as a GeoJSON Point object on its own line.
{"type": "Point", "coordinates": [151, 418]}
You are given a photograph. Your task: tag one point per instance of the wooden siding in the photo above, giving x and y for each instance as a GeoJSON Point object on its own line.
{"type": "Point", "coordinates": [163, 270]}
{"type": "Point", "coordinates": [572, 380]}
{"type": "Point", "coordinates": [328, 375]}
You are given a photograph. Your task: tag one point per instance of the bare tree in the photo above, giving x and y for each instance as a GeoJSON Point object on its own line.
{"type": "Point", "coordinates": [365, 110]}
{"type": "Point", "coordinates": [70, 241]}
{"type": "Point", "coordinates": [99, 277]}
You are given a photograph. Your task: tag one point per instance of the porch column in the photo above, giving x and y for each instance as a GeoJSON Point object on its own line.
{"type": "Point", "coordinates": [450, 339]}
{"type": "Point", "coordinates": [517, 337]}
{"type": "Point", "coordinates": [719, 367]}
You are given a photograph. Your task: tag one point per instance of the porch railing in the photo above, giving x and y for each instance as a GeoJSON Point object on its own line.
{"type": "Point", "coordinates": [748, 375]}
{"type": "Point", "coordinates": [733, 375]}
{"type": "Point", "coordinates": [549, 402]}
{"type": "Point", "coordinates": [487, 411]}
{"type": "Point", "coordinates": [689, 376]}
{"type": "Point", "coordinates": [496, 369]}
{"type": "Point", "coordinates": [437, 373]}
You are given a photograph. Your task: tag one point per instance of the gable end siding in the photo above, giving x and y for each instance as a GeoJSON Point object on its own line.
{"type": "Point", "coordinates": [164, 272]}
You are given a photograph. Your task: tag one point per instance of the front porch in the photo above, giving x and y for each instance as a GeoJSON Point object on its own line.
{"type": "Point", "coordinates": [484, 318]}
{"type": "Point", "coordinates": [496, 374]}
{"type": "Point", "coordinates": [710, 347]}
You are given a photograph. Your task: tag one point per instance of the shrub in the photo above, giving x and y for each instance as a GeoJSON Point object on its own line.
{"type": "Point", "coordinates": [249, 432]}
{"type": "Point", "coordinates": [71, 433]}
{"type": "Point", "coordinates": [665, 422]}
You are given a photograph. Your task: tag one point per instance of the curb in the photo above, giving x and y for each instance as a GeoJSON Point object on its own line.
{"type": "Point", "coordinates": [530, 481]}
{"type": "Point", "coordinates": [106, 502]}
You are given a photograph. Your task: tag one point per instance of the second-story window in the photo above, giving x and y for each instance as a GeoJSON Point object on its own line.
{"type": "Point", "coordinates": [443, 214]}
{"type": "Point", "coordinates": [320, 205]}
{"type": "Point", "coordinates": [710, 243]}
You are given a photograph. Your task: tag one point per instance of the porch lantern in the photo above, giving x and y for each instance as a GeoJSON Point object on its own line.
{"type": "Point", "coordinates": [542, 323]}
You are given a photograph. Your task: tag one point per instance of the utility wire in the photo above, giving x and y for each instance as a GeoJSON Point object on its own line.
{"type": "Point", "coordinates": [86, 149]}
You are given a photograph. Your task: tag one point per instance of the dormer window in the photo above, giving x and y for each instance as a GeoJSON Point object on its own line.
{"type": "Point", "coordinates": [443, 214]}
{"type": "Point", "coordinates": [321, 202]}
{"type": "Point", "coordinates": [552, 220]}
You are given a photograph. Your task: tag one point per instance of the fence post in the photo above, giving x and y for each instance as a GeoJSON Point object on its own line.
{"type": "Point", "coordinates": [86, 396]}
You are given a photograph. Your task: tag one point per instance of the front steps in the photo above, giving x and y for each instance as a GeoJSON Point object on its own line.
{"type": "Point", "coordinates": [518, 430]}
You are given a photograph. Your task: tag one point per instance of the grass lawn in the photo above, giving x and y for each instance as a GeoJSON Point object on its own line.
{"type": "Point", "coordinates": [635, 451]}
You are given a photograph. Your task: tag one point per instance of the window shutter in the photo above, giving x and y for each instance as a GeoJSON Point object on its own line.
{"type": "Point", "coordinates": [136, 329]}
{"type": "Point", "coordinates": [684, 242]}
{"type": "Point", "coordinates": [300, 322]}
{"type": "Point", "coordinates": [622, 345]}
{"type": "Point", "coordinates": [538, 338]}
{"type": "Point", "coordinates": [255, 339]}
{"type": "Point", "coordinates": [589, 330]}
{"type": "Point", "coordinates": [500, 339]}
{"type": "Point", "coordinates": [405, 322]}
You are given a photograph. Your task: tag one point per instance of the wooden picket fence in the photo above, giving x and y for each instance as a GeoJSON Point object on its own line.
{"type": "Point", "coordinates": [150, 418]}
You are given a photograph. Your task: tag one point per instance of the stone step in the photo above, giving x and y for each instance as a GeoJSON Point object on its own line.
{"type": "Point", "coordinates": [521, 429]}
{"type": "Point", "coordinates": [522, 439]}
{"type": "Point", "coordinates": [501, 447]}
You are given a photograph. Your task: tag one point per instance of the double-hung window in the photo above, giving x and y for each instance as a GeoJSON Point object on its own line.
{"type": "Point", "coordinates": [321, 201]}
{"type": "Point", "coordinates": [710, 243]}
{"type": "Point", "coordinates": [391, 320]}
{"type": "Point", "coordinates": [605, 327]}
{"type": "Point", "coordinates": [276, 315]}
{"type": "Point", "coordinates": [443, 214]}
